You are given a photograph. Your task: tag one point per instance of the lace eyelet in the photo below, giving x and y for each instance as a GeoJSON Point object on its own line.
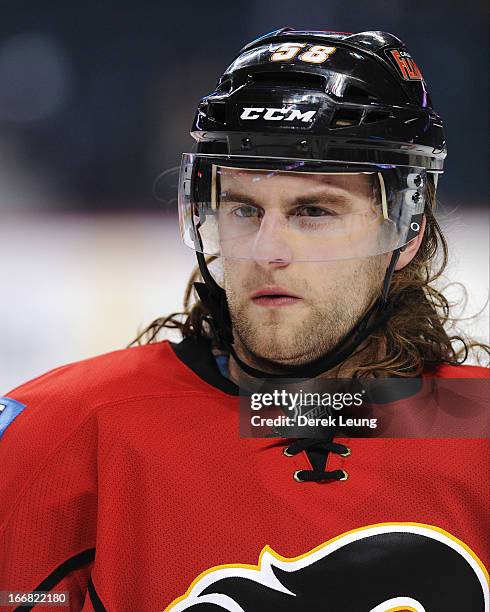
{"type": "Point", "coordinates": [285, 452]}
{"type": "Point", "coordinates": [296, 477]}
{"type": "Point", "coordinates": [347, 453]}
{"type": "Point", "coordinates": [345, 476]}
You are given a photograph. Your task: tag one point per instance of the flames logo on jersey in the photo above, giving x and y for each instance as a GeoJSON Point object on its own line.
{"type": "Point", "coordinates": [380, 568]}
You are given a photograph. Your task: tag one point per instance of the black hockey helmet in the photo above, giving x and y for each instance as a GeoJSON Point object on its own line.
{"type": "Point", "coordinates": [323, 95]}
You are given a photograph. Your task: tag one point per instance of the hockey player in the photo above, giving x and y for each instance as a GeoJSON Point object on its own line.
{"type": "Point", "coordinates": [310, 204]}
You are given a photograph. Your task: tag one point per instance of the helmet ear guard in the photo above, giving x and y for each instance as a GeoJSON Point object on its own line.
{"type": "Point", "coordinates": [430, 199]}
{"type": "Point", "coordinates": [415, 226]}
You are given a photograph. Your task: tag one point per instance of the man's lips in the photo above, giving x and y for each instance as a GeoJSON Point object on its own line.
{"type": "Point", "coordinates": [274, 295]}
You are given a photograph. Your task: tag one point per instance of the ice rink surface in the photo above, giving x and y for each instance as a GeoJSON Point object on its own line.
{"type": "Point", "coordinates": [74, 286]}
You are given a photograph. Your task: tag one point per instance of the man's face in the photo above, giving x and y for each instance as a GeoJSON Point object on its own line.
{"type": "Point", "coordinates": [290, 300]}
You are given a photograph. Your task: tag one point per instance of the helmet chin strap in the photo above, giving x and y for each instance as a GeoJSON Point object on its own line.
{"type": "Point", "coordinates": [214, 298]}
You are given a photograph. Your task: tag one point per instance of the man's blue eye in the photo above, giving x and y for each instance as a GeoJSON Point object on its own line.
{"type": "Point", "coordinates": [247, 211]}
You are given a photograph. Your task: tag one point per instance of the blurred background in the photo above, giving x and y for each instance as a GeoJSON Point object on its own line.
{"type": "Point", "coordinates": [97, 99]}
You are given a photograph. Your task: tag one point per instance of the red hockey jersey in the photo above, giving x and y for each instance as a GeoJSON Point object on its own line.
{"type": "Point", "coordinates": [125, 482]}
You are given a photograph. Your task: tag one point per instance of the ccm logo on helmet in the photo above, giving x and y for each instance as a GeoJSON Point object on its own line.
{"type": "Point", "coordinates": [287, 113]}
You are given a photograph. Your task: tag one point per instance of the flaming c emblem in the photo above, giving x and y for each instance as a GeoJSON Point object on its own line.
{"type": "Point", "coordinates": [380, 568]}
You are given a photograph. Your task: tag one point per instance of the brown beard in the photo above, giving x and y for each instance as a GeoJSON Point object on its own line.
{"type": "Point", "coordinates": [274, 342]}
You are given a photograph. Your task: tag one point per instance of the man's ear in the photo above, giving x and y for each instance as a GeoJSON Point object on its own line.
{"type": "Point", "coordinates": [411, 247]}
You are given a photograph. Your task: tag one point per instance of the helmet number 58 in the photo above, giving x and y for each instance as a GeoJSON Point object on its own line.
{"type": "Point", "coordinates": [317, 54]}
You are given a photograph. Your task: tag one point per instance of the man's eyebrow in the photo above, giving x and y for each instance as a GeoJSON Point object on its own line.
{"type": "Point", "coordinates": [301, 200]}
{"type": "Point", "coordinates": [321, 197]}
{"type": "Point", "coordinates": [235, 196]}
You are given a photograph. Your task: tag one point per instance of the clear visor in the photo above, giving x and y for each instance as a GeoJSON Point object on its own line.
{"type": "Point", "coordinates": [241, 207]}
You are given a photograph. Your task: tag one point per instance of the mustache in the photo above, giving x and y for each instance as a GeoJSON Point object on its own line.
{"type": "Point", "coordinates": [256, 280]}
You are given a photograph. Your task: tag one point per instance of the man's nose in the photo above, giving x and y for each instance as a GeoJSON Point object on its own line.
{"type": "Point", "coordinates": [271, 245]}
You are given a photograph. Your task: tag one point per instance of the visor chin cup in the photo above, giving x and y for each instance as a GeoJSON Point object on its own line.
{"type": "Point", "coordinates": [247, 208]}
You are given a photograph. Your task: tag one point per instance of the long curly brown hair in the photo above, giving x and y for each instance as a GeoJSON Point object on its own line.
{"type": "Point", "coordinates": [420, 335]}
